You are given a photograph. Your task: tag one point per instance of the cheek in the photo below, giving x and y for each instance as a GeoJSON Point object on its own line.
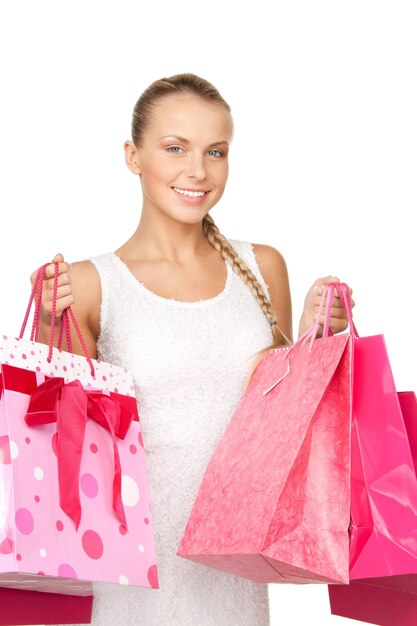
{"type": "Point", "coordinates": [158, 171]}
{"type": "Point", "coordinates": [222, 174]}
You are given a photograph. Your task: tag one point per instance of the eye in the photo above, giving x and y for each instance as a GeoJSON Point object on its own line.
{"type": "Point", "coordinates": [174, 149]}
{"type": "Point", "coordinates": [219, 152]}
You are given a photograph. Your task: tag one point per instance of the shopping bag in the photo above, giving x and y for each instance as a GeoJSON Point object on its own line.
{"type": "Point", "coordinates": [74, 496]}
{"type": "Point", "coordinates": [19, 606]}
{"type": "Point", "coordinates": [387, 600]}
{"type": "Point", "coordinates": [383, 529]}
{"type": "Point", "coordinates": [408, 403]}
{"type": "Point", "coordinates": [274, 502]}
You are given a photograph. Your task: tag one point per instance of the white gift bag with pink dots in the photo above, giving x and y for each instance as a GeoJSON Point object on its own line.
{"type": "Point", "coordinates": [41, 547]}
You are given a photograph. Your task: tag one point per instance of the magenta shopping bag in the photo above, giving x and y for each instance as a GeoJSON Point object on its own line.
{"type": "Point", "coordinates": [389, 600]}
{"type": "Point", "coordinates": [408, 403]}
{"type": "Point", "coordinates": [383, 530]}
{"type": "Point", "coordinates": [274, 502]}
{"type": "Point", "coordinates": [73, 484]}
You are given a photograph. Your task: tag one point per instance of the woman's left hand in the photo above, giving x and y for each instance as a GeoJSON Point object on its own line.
{"type": "Point", "coordinates": [338, 319]}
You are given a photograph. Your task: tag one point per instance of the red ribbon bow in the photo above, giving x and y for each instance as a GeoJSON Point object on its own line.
{"type": "Point", "coordinates": [69, 405]}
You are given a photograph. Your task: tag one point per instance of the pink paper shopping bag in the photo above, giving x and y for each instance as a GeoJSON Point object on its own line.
{"type": "Point", "coordinates": [274, 502]}
{"type": "Point", "coordinates": [73, 486]}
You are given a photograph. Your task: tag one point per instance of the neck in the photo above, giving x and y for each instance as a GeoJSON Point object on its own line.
{"type": "Point", "coordinates": [160, 237]}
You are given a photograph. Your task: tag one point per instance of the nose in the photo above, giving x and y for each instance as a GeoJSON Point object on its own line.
{"type": "Point", "coordinates": [195, 167]}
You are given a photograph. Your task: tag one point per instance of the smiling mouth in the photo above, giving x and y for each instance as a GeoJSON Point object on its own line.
{"type": "Point", "coordinates": [189, 193]}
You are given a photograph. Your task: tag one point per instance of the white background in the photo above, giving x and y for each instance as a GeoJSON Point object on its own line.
{"type": "Point", "coordinates": [323, 163]}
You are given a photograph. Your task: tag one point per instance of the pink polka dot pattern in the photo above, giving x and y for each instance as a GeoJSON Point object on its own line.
{"type": "Point", "coordinates": [66, 571]}
{"type": "Point", "coordinates": [6, 546]}
{"type": "Point", "coordinates": [89, 485]}
{"type": "Point", "coordinates": [92, 544]}
{"type": "Point", "coordinates": [5, 458]}
{"type": "Point", "coordinates": [153, 577]}
{"type": "Point", "coordinates": [24, 521]}
{"type": "Point", "coordinates": [30, 355]}
{"type": "Point", "coordinates": [45, 538]}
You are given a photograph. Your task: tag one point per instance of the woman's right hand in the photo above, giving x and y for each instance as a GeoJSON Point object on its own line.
{"type": "Point", "coordinates": [78, 287]}
{"type": "Point", "coordinates": [65, 296]}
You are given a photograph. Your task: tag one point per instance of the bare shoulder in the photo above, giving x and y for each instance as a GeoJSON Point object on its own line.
{"type": "Point", "coordinates": [271, 263]}
{"type": "Point", "coordinates": [86, 289]}
{"type": "Point", "coordinates": [273, 268]}
{"type": "Point", "coordinates": [270, 260]}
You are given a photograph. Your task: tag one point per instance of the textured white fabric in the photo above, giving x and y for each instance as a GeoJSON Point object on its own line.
{"type": "Point", "coordinates": [189, 361]}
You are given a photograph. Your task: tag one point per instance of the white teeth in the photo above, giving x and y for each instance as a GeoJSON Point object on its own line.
{"type": "Point", "coordinates": [192, 194]}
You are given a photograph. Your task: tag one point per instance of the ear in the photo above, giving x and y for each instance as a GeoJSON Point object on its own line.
{"type": "Point", "coordinates": [132, 157]}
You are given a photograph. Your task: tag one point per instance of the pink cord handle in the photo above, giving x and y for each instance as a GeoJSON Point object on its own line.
{"type": "Point", "coordinates": [343, 291]}
{"type": "Point", "coordinates": [66, 318]}
{"type": "Point", "coordinates": [326, 304]}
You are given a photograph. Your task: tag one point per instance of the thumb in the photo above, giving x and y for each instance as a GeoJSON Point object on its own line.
{"type": "Point", "coordinates": [58, 258]}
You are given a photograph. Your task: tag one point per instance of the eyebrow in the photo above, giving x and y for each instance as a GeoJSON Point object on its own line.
{"type": "Point", "coordinates": [184, 140]}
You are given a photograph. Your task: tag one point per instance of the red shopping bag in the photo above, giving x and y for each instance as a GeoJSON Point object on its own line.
{"type": "Point", "coordinates": [274, 502]}
{"type": "Point", "coordinates": [386, 600]}
{"type": "Point", "coordinates": [72, 467]}
{"type": "Point", "coordinates": [19, 606]}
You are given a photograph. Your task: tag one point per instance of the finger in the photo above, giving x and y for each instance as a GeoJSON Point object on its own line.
{"type": "Point", "coordinates": [58, 258]}
{"type": "Point", "coordinates": [337, 326]}
{"type": "Point", "coordinates": [62, 267]}
{"type": "Point", "coordinates": [337, 317]}
{"type": "Point", "coordinates": [64, 290]}
{"type": "Point", "coordinates": [63, 279]}
{"type": "Point", "coordinates": [62, 303]}
{"type": "Point", "coordinates": [337, 314]}
{"type": "Point", "coordinates": [336, 301]}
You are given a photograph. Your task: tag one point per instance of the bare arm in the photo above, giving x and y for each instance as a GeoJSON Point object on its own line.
{"type": "Point", "coordinates": [274, 271]}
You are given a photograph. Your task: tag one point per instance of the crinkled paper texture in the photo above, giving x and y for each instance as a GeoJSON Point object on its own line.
{"type": "Point", "coordinates": [274, 502]}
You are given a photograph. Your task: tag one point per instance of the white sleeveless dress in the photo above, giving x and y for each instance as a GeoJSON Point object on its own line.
{"type": "Point", "coordinates": [190, 361]}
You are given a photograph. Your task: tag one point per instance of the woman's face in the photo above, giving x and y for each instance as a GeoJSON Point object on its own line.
{"type": "Point", "coordinates": [183, 158]}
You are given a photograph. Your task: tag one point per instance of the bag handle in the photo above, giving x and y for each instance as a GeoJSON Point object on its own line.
{"type": "Point", "coordinates": [326, 303]}
{"type": "Point", "coordinates": [343, 292]}
{"type": "Point", "coordinates": [67, 318]}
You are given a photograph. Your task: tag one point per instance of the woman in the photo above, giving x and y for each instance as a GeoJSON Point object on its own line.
{"type": "Point", "coordinates": [186, 310]}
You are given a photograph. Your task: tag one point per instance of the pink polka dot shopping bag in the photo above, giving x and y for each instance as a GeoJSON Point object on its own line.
{"type": "Point", "coordinates": [74, 497]}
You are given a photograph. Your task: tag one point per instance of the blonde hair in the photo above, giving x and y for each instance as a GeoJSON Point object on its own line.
{"type": "Point", "coordinates": [191, 84]}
